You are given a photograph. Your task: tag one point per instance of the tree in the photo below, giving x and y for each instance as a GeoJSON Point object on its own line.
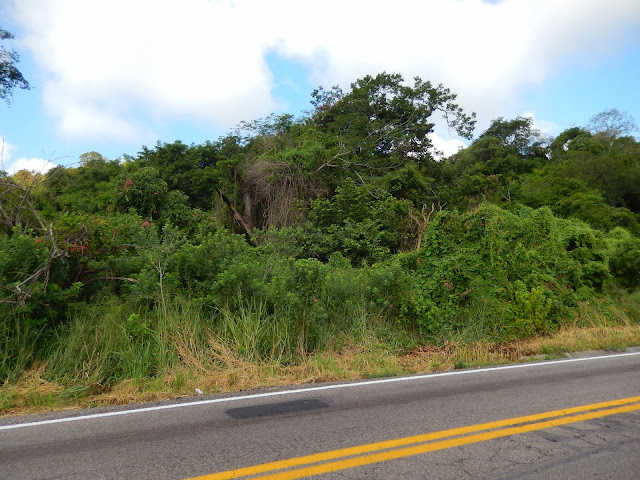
{"type": "Point", "coordinates": [191, 169]}
{"type": "Point", "coordinates": [10, 76]}
{"type": "Point", "coordinates": [24, 229]}
{"type": "Point", "coordinates": [143, 190]}
{"type": "Point", "coordinates": [604, 162]}
{"type": "Point", "coordinates": [379, 128]}
{"type": "Point", "coordinates": [518, 134]}
{"type": "Point", "coordinates": [612, 122]}
{"type": "Point", "coordinates": [90, 188]}
{"type": "Point", "coordinates": [382, 122]}
{"type": "Point", "coordinates": [489, 167]}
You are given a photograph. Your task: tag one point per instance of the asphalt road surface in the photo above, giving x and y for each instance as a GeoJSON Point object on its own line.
{"type": "Point", "coordinates": [576, 418]}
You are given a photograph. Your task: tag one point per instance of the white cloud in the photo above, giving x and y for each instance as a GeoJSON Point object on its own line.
{"type": "Point", "coordinates": [204, 61]}
{"type": "Point", "coordinates": [486, 53]}
{"type": "Point", "coordinates": [11, 166]}
{"type": "Point", "coordinates": [39, 165]}
{"type": "Point", "coordinates": [106, 61]}
{"type": "Point", "coordinates": [545, 126]}
{"type": "Point", "coordinates": [446, 146]}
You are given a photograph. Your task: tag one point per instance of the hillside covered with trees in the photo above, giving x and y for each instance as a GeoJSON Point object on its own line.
{"type": "Point", "coordinates": [296, 235]}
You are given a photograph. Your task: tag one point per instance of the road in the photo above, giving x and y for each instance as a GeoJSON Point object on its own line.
{"type": "Point", "coordinates": [577, 418]}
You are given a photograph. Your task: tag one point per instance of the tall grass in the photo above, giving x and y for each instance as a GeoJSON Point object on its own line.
{"type": "Point", "coordinates": [118, 352]}
{"type": "Point", "coordinates": [18, 340]}
{"type": "Point", "coordinates": [111, 342]}
{"type": "Point", "coordinates": [257, 334]}
{"type": "Point", "coordinates": [105, 344]}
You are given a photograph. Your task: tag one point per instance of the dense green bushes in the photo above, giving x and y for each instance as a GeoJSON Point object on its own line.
{"type": "Point", "coordinates": [486, 274]}
{"type": "Point", "coordinates": [525, 270]}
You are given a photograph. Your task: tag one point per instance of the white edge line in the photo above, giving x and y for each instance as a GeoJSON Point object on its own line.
{"type": "Point", "coordinates": [306, 390]}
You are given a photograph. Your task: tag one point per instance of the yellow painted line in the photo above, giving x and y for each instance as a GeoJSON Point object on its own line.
{"type": "Point", "coordinates": [430, 447]}
{"type": "Point", "coordinates": [414, 450]}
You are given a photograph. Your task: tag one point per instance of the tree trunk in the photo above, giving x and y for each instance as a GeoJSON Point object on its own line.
{"type": "Point", "coordinates": [248, 228]}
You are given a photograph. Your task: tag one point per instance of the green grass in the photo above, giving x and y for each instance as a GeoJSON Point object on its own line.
{"type": "Point", "coordinates": [17, 344]}
{"type": "Point", "coordinates": [116, 353]}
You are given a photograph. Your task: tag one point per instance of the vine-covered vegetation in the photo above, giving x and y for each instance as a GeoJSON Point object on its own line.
{"type": "Point", "coordinates": [295, 235]}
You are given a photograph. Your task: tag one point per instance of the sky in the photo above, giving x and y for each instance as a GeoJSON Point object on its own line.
{"type": "Point", "coordinates": [112, 76]}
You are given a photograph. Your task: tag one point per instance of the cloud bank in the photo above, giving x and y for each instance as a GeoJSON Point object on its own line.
{"type": "Point", "coordinates": [7, 164]}
{"type": "Point", "coordinates": [117, 69]}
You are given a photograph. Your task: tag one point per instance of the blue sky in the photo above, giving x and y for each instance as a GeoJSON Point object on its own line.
{"type": "Point", "coordinates": [112, 76]}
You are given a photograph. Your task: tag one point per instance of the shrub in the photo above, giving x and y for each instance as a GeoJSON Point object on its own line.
{"type": "Point", "coordinates": [524, 266]}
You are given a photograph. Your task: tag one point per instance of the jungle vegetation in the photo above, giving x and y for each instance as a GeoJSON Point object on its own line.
{"type": "Point", "coordinates": [295, 235]}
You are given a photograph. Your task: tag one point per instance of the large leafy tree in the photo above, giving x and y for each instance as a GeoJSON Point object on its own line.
{"type": "Point", "coordinates": [379, 128]}
{"type": "Point", "coordinates": [10, 76]}
{"type": "Point", "coordinates": [605, 160]}
{"type": "Point", "coordinates": [195, 170]}
{"type": "Point", "coordinates": [519, 136]}
{"type": "Point", "coordinates": [487, 169]}
{"type": "Point", "coordinates": [383, 122]}
{"type": "Point", "coordinates": [89, 188]}
{"type": "Point", "coordinates": [593, 177]}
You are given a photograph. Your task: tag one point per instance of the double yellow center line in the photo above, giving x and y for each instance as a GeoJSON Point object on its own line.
{"type": "Point", "coordinates": [403, 447]}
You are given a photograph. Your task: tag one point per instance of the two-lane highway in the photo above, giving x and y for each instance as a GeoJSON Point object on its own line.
{"type": "Point", "coordinates": [577, 418]}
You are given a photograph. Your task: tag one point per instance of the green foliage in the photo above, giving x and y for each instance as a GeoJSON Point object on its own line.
{"type": "Point", "coordinates": [516, 136]}
{"type": "Point", "coordinates": [218, 268]}
{"type": "Point", "coordinates": [533, 306]}
{"type": "Point", "coordinates": [625, 257]}
{"type": "Point", "coordinates": [19, 255]}
{"type": "Point", "coordinates": [569, 196]}
{"type": "Point", "coordinates": [106, 343]}
{"type": "Point", "coordinates": [90, 188]}
{"type": "Point", "coordinates": [488, 170]}
{"type": "Point", "coordinates": [143, 191]}
{"type": "Point", "coordinates": [608, 165]}
{"type": "Point", "coordinates": [18, 342]}
{"type": "Point", "coordinates": [381, 117]}
{"type": "Point", "coordinates": [10, 76]}
{"type": "Point", "coordinates": [157, 253]}
{"type": "Point", "coordinates": [362, 223]}
{"type": "Point", "coordinates": [193, 170]}
{"type": "Point", "coordinates": [526, 268]}
{"type": "Point", "coordinates": [350, 229]}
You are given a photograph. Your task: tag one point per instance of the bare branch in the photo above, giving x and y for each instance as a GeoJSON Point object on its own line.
{"type": "Point", "coordinates": [96, 279]}
{"type": "Point", "coordinates": [422, 221]}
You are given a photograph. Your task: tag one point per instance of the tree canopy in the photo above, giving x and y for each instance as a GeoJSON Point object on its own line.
{"type": "Point", "coordinates": [10, 76]}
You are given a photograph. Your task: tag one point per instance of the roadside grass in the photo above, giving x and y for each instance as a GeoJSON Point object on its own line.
{"type": "Point", "coordinates": [128, 356]}
{"type": "Point", "coordinates": [229, 371]}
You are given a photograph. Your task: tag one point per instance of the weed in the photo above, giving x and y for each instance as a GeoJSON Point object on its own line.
{"type": "Point", "coordinates": [37, 399]}
{"type": "Point", "coordinates": [6, 402]}
{"type": "Point", "coordinates": [460, 364]}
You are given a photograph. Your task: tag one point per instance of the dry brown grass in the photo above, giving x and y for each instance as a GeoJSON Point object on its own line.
{"type": "Point", "coordinates": [227, 371]}
{"type": "Point", "coordinates": [574, 339]}
{"type": "Point", "coordinates": [32, 381]}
